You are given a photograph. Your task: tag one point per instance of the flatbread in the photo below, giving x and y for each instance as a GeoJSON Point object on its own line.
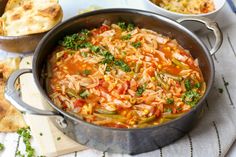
{"type": "Point", "coordinates": [24, 17]}
{"type": "Point", "coordinates": [10, 118]}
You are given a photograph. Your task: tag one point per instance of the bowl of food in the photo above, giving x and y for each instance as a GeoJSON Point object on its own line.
{"type": "Point", "coordinates": [24, 23]}
{"type": "Point", "coordinates": [121, 80]}
{"type": "Point", "coordinates": [181, 8]}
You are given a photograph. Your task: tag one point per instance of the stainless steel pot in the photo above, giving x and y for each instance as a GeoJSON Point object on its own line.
{"type": "Point", "coordinates": [130, 141]}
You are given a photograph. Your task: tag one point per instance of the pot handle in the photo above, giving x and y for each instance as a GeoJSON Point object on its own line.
{"type": "Point", "coordinates": [12, 95]}
{"type": "Point", "coordinates": [211, 25]}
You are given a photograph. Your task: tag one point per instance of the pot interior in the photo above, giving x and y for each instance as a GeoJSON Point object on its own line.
{"type": "Point", "coordinates": [141, 19]}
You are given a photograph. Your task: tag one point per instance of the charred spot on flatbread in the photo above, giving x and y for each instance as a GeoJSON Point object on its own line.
{"type": "Point", "coordinates": [15, 17]}
{"type": "Point", "coordinates": [24, 17]}
{"type": "Point", "coordinates": [51, 11]}
{"type": "Point", "coordinates": [27, 6]}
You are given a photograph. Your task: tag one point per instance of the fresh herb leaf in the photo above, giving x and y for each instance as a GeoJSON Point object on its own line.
{"type": "Point", "coordinates": [187, 84]}
{"type": "Point", "coordinates": [109, 58]}
{"type": "Point", "coordinates": [123, 66]}
{"type": "Point", "coordinates": [69, 41]}
{"type": "Point", "coordinates": [108, 69]}
{"type": "Point", "coordinates": [58, 138]}
{"type": "Point", "coordinates": [220, 90]}
{"type": "Point", "coordinates": [169, 110]}
{"type": "Point", "coordinates": [25, 134]}
{"type": "Point", "coordinates": [85, 32]}
{"type": "Point", "coordinates": [191, 97]}
{"type": "Point", "coordinates": [86, 72]}
{"type": "Point", "coordinates": [130, 27]}
{"type": "Point", "coordinates": [41, 134]}
{"type": "Point", "coordinates": [197, 85]}
{"type": "Point", "coordinates": [84, 54]}
{"type": "Point", "coordinates": [136, 44]}
{"type": "Point", "coordinates": [95, 49]}
{"type": "Point", "coordinates": [169, 100]}
{"type": "Point", "coordinates": [126, 37]}
{"type": "Point", "coordinates": [122, 25]}
{"type": "Point", "coordinates": [84, 94]}
{"type": "Point", "coordinates": [140, 90]}
{"type": "Point", "coordinates": [1, 147]}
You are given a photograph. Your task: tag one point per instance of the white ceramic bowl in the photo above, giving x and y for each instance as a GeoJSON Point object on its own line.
{"type": "Point", "coordinates": [174, 15]}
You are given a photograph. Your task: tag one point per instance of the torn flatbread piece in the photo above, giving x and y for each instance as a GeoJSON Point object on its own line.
{"type": "Point", "coordinates": [24, 17]}
{"type": "Point", "coordinates": [10, 118]}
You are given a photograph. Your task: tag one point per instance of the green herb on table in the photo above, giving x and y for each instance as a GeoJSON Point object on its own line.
{"type": "Point", "coordinates": [136, 44]}
{"type": "Point", "coordinates": [220, 90]}
{"type": "Point", "coordinates": [25, 134]}
{"type": "Point", "coordinates": [1, 147]}
{"type": "Point", "coordinates": [58, 138]}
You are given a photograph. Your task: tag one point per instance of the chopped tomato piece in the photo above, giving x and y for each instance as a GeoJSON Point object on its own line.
{"type": "Point", "coordinates": [79, 103]}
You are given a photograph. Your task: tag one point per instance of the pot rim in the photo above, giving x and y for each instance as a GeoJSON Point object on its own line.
{"type": "Point", "coordinates": [127, 10]}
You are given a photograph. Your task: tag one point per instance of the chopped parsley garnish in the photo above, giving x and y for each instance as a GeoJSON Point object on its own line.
{"type": "Point", "coordinates": [191, 97]}
{"type": "Point", "coordinates": [220, 90]}
{"type": "Point", "coordinates": [169, 100]}
{"type": "Point", "coordinates": [197, 85]}
{"type": "Point", "coordinates": [123, 66]}
{"type": "Point", "coordinates": [124, 26]}
{"type": "Point", "coordinates": [187, 84]}
{"type": "Point", "coordinates": [169, 110]}
{"type": "Point", "coordinates": [84, 94]}
{"type": "Point", "coordinates": [140, 90]}
{"type": "Point", "coordinates": [25, 134]}
{"type": "Point", "coordinates": [108, 69]}
{"type": "Point", "coordinates": [126, 37]}
{"type": "Point", "coordinates": [85, 32]}
{"type": "Point", "coordinates": [84, 54]}
{"type": "Point", "coordinates": [1, 147]}
{"type": "Point", "coordinates": [86, 72]}
{"type": "Point", "coordinates": [41, 134]}
{"type": "Point", "coordinates": [75, 41]}
{"type": "Point", "coordinates": [58, 138]}
{"type": "Point", "coordinates": [130, 27]}
{"type": "Point", "coordinates": [136, 44]}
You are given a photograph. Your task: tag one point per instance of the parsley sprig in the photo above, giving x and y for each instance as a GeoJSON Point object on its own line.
{"type": "Point", "coordinates": [25, 134]}
{"type": "Point", "coordinates": [1, 147]}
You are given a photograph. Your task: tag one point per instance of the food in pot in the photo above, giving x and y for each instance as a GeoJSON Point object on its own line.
{"type": "Point", "coordinates": [187, 6]}
{"type": "Point", "coordinates": [23, 17]}
{"type": "Point", "coordinates": [123, 76]}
